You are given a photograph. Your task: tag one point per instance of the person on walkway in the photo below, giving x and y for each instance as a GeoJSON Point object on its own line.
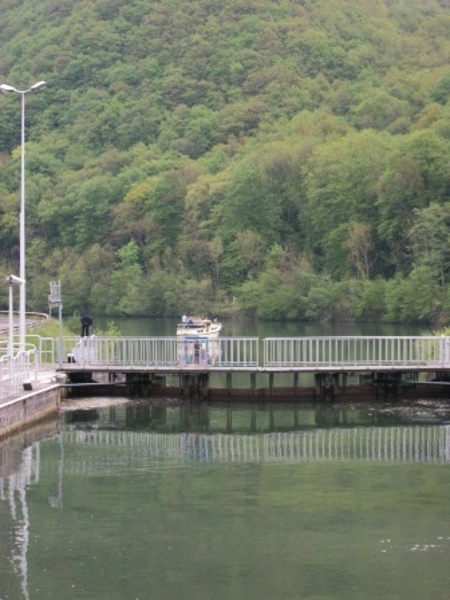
{"type": "Point", "coordinates": [86, 322]}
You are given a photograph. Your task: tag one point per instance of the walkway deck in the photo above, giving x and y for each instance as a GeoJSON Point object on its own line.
{"type": "Point", "coordinates": [149, 363]}
{"type": "Point", "coordinates": [250, 354]}
{"type": "Point", "coordinates": [311, 366]}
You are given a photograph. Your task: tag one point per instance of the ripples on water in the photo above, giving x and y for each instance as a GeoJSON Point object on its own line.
{"type": "Point", "coordinates": [161, 500]}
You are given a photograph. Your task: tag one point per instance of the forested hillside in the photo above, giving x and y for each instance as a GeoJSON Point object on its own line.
{"type": "Point", "coordinates": [292, 155]}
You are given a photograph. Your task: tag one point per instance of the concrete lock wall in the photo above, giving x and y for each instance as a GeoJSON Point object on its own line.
{"type": "Point", "coordinates": [28, 408]}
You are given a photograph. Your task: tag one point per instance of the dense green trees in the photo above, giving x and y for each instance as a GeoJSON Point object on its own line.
{"type": "Point", "coordinates": [291, 155]}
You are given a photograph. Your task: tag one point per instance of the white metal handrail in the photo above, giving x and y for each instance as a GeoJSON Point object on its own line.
{"type": "Point", "coordinates": [364, 351]}
{"type": "Point", "coordinates": [163, 352]}
{"type": "Point", "coordinates": [371, 352]}
{"type": "Point", "coordinates": [18, 369]}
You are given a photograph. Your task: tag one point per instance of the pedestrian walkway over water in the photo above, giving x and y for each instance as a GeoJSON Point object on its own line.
{"type": "Point", "coordinates": [330, 360]}
{"type": "Point", "coordinates": [152, 364]}
{"type": "Point", "coordinates": [307, 354]}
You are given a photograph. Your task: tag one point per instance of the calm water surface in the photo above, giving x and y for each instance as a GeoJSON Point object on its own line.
{"type": "Point", "coordinates": [168, 500]}
{"type": "Point", "coordinates": [235, 327]}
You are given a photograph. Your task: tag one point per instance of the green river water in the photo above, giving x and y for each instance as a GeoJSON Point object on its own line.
{"type": "Point", "coordinates": [168, 500]}
{"type": "Point", "coordinates": [165, 500]}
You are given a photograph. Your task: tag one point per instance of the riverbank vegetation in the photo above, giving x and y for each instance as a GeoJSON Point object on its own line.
{"type": "Point", "coordinates": [281, 159]}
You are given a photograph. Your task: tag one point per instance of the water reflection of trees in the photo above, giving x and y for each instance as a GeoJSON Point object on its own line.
{"type": "Point", "coordinates": [245, 418]}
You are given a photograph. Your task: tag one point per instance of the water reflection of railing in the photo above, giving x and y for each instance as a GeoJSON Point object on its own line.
{"type": "Point", "coordinates": [430, 444]}
{"type": "Point", "coordinates": [103, 451]}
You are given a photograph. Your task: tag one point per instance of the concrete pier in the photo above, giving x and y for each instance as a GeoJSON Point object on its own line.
{"type": "Point", "coordinates": [31, 405]}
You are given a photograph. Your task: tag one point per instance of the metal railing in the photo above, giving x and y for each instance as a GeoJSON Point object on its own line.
{"type": "Point", "coordinates": [162, 352]}
{"type": "Point", "coordinates": [302, 353]}
{"type": "Point", "coordinates": [362, 352]}
{"type": "Point", "coordinates": [16, 370]}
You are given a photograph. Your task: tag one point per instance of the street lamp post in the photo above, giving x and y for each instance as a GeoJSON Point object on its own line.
{"type": "Point", "coordinates": [11, 280]}
{"type": "Point", "coordinates": [5, 88]}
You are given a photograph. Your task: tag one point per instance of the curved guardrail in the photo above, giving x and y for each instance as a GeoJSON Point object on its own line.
{"type": "Point", "coordinates": [16, 370]}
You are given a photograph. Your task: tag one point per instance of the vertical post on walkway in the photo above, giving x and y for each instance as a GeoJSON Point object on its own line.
{"type": "Point", "coordinates": [60, 342]}
{"type": "Point", "coordinates": [55, 299]}
{"type": "Point", "coordinates": [11, 280]}
{"type": "Point", "coordinates": [11, 325]}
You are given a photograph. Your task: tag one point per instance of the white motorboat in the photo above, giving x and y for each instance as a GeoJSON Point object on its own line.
{"type": "Point", "coordinates": [198, 327]}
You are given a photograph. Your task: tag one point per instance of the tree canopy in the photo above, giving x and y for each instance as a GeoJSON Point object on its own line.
{"type": "Point", "coordinates": [291, 155]}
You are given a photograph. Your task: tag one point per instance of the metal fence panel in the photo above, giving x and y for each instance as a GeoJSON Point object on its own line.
{"type": "Point", "coordinates": [16, 370]}
{"type": "Point", "coordinates": [162, 352]}
{"type": "Point", "coordinates": [243, 352]}
{"type": "Point", "coordinates": [361, 351]}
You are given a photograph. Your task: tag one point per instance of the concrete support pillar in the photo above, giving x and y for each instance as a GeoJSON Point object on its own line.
{"type": "Point", "coordinates": [318, 384]}
{"type": "Point", "coordinates": [335, 387]}
{"type": "Point", "coordinates": [229, 383]}
{"type": "Point", "coordinates": [204, 384]}
{"type": "Point", "coordinates": [194, 384]}
{"type": "Point", "coordinates": [295, 383]}
{"type": "Point", "coordinates": [252, 383]}
{"type": "Point", "coordinates": [271, 377]}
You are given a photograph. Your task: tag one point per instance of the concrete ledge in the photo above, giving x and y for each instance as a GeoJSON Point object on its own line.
{"type": "Point", "coordinates": [29, 408]}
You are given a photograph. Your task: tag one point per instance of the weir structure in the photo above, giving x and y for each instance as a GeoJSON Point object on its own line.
{"type": "Point", "coordinates": [315, 367]}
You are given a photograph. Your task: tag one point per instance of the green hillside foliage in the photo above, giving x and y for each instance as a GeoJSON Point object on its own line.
{"type": "Point", "coordinates": [286, 159]}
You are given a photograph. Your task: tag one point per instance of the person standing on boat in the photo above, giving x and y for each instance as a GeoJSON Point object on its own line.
{"type": "Point", "coordinates": [184, 319]}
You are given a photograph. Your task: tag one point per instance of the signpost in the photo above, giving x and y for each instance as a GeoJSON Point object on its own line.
{"type": "Point", "coordinates": [55, 299]}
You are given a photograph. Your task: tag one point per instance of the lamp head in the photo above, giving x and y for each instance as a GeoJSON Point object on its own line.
{"type": "Point", "coordinates": [38, 86]}
{"type": "Point", "coordinates": [14, 280]}
{"type": "Point", "coordinates": [5, 88]}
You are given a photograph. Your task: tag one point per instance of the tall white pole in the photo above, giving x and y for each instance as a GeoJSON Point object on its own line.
{"type": "Point", "coordinates": [5, 88]}
{"type": "Point", "coordinates": [22, 291]}
{"type": "Point", "coordinates": [11, 326]}
{"type": "Point", "coordinates": [11, 280]}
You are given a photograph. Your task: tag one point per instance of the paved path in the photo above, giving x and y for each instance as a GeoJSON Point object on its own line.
{"type": "Point", "coordinates": [44, 377]}
{"type": "Point", "coordinates": [32, 320]}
